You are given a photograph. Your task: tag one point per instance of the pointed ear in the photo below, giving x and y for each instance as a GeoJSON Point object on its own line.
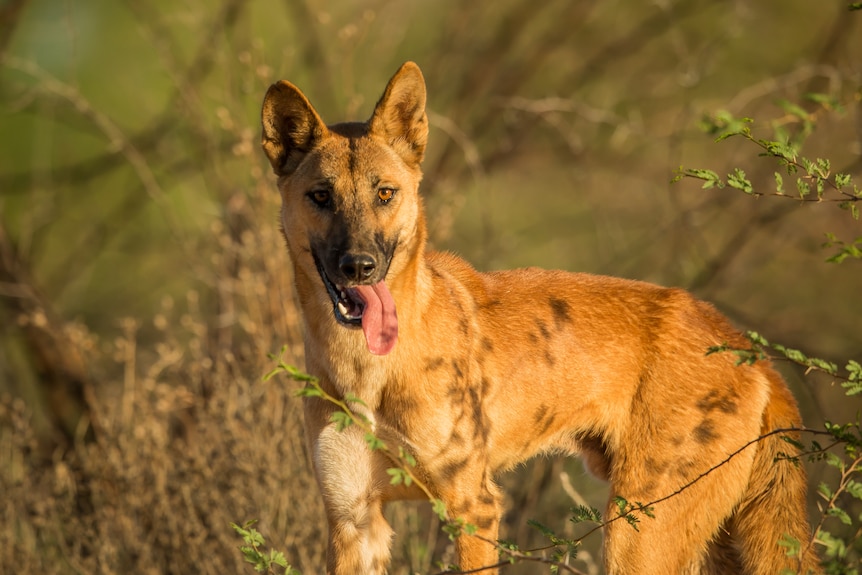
{"type": "Point", "coordinates": [291, 127]}
{"type": "Point", "coordinates": [399, 116]}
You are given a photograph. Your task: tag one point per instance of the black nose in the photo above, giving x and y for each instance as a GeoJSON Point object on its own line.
{"type": "Point", "coordinates": [357, 267]}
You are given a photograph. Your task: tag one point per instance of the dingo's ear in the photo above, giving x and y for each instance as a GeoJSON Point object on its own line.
{"type": "Point", "coordinates": [291, 127]}
{"type": "Point", "coordinates": [399, 116]}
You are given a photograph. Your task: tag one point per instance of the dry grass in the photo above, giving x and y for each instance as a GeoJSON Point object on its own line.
{"type": "Point", "coordinates": [193, 440]}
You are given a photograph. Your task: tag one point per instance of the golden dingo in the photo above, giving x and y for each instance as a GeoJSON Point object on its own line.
{"type": "Point", "coordinates": [475, 372]}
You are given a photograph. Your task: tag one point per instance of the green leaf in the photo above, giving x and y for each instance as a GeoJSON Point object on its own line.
{"type": "Point", "coordinates": [779, 149]}
{"type": "Point", "coordinates": [341, 420]}
{"type": "Point", "coordinates": [737, 180]}
{"type": "Point", "coordinates": [795, 355]}
{"type": "Point", "coordinates": [779, 184]}
{"type": "Point", "coordinates": [842, 180]}
{"type": "Point", "coordinates": [840, 514]}
{"type": "Point", "coordinates": [454, 528]}
{"type": "Point", "coordinates": [854, 488]}
{"type": "Point", "coordinates": [508, 546]}
{"type": "Point", "coordinates": [350, 398]}
{"type": "Point", "coordinates": [797, 444]}
{"type": "Point", "coordinates": [406, 456]}
{"type": "Point", "coordinates": [309, 391]}
{"type": "Point", "coordinates": [571, 547]}
{"type": "Point", "coordinates": [270, 374]}
{"type": "Point", "coordinates": [296, 374]}
{"type": "Point", "coordinates": [278, 558]}
{"type": "Point", "coordinates": [622, 504]}
{"type": "Point", "coordinates": [648, 511]}
{"type": "Point", "coordinates": [852, 387]}
{"type": "Point", "coordinates": [834, 461]}
{"type": "Point", "coordinates": [710, 178]}
{"type": "Point", "coordinates": [791, 545]}
{"type": "Point", "coordinates": [851, 250]}
{"type": "Point", "coordinates": [828, 367]}
{"type": "Point", "coordinates": [717, 348]}
{"type": "Point", "coordinates": [249, 534]}
{"type": "Point", "coordinates": [724, 125]}
{"type": "Point", "coordinates": [833, 546]}
{"type": "Point", "coordinates": [733, 131]}
{"type": "Point", "coordinates": [374, 442]}
{"type": "Point", "coordinates": [756, 338]}
{"type": "Point", "coordinates": [582, 513]}
{"type": "Point", "coordinates": [543, 529]}
{"type": "Point", "coordinates": [399, 476]}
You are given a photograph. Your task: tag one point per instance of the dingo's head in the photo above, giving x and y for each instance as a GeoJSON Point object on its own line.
{"type": "Point", "coordinates": [351, 212]}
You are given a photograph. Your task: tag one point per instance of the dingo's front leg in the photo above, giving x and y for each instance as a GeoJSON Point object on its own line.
{"type": "Point", "coordinates": [353, 482]}
{"type": "Point", "coordinates": [474, 499]}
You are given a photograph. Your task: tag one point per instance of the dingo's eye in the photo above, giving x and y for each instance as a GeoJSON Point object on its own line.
{"type": "Point", "coordinates": [322, 198]}
{"type": "Point", "coordinates": [385, 195]}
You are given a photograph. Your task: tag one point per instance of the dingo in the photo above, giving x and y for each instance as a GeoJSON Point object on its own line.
{"type": "Point", "coordinates": [479, 371]}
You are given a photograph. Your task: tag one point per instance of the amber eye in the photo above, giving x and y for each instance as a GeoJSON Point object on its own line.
{"type": "Point", "coordinates": [385, 195]}
{"type": "Point", "coordinates": [320, 197]}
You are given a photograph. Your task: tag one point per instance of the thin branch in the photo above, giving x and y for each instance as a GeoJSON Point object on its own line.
{"type": "Point", "coordinates": [148, 138]}
{"type": "Point", "coordinates": [519, 556]}
{"type": "Point", "coordinates": [117, 140]}
{"type": "Point", "coordinates": [846, 475]}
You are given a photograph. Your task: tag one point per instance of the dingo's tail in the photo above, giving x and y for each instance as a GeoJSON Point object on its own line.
{"type": "Point", "coordinates": [774, 503]}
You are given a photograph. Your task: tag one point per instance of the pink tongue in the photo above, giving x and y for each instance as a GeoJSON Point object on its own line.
{"type": "Point", "coordinates": [379, 322]}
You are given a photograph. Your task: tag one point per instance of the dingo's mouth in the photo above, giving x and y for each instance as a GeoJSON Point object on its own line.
{"type": "Point", "coordinates": [369, 306]}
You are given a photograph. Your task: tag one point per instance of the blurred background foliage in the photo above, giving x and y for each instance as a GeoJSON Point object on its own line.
{"type": "Point", "coordinates": [143, 281]}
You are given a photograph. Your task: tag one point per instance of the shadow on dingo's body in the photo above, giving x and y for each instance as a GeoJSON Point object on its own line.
{"type": "Point", "coordinates": [479, 371]}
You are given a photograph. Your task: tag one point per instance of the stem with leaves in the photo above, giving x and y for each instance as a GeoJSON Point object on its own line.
{"type": "Point", "coordinates": [253, 550]}
{"type": "Point", "coordinates": [815, 180]}
{"type": "Point", "coordinates": [403, 472]}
